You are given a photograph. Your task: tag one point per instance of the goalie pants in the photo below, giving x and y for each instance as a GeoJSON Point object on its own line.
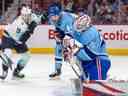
{"type": "Point", "coordinates": [96, 69]}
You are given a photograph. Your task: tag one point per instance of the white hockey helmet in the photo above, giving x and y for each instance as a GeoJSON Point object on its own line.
{"type": "Point", "coordinates": [82, 22]}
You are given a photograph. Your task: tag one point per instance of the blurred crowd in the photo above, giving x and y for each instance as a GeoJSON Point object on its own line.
{"type": "Point", "coordinates": [6, 5]}
{"type": "Point", "coordinates": [110, 11]}
{"type": "Point", "coordinates": [101, 11]}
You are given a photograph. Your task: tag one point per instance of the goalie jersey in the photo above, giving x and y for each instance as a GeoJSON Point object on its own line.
{"type": "Point", "coordinates": [93, 44]}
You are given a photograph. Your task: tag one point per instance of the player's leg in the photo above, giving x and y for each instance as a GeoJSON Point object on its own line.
{"type": "Point", "coordinates": [26, 35]}
{"type": "Point", "coordinates": [97, 69]}
{"type": "Point", "coordinates": [21, 64]}
{"type": "Point", "coordinates": [25, 56]}
{"type": "Point", "coordinates": [6, 46]}
{"type": "Point", "coordinates": [105, 66]}
{"type": "Point", "coordinates": [6, 62]}
{"type": "Point", "coordinates": [58, 60]}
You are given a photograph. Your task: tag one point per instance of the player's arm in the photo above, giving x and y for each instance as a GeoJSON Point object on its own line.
{"type": "Point", "coordinates": [64, 30]}
{"type": "Point", "coordinates": [26, 35]}
{"type": "Point", "coordinates": [60, 29]}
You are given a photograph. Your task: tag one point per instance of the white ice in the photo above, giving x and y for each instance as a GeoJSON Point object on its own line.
{"type": "Point", "coordinates": [37, 82]}
{"type": "Point", "coordinates": [119, 68]}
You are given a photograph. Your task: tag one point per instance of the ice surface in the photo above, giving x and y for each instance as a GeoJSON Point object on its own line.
{"type": "Point", "coordinates": [37, 82]}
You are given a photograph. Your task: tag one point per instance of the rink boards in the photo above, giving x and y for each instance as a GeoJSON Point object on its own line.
{"type": "Point", "coordinates": [116, 37]}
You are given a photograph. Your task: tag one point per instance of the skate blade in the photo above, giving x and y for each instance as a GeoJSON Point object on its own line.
{"type": "Point", "coordinates": [55, 78]}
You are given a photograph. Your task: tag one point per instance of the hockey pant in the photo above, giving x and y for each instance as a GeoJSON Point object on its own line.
{"type": "Point", "coordinates": [96, 69]}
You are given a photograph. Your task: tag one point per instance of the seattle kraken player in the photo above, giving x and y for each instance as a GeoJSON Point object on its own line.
{"type": "Point", "coordinates": [89, 47]}
{"type": "Point", "coordinates": [63, 22]}
{"type": "Point", "coordinates": [15, 36]}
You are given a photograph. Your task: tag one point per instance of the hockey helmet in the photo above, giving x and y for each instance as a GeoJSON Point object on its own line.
{"type": "Point", "coordinates": [82, 22]}
{"type": "Point", "coordinates": [54, 10]}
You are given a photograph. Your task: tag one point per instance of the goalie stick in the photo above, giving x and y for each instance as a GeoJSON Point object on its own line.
{"type": "Point", "coordinates": [74, 70]}
{"type": "Point", "coordinates": [68, 59]}
{"type": "Point", "coordinates": [77, 74]}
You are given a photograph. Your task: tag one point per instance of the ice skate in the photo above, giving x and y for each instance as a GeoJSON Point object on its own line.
{"type": "Point", "coordinates": [55, 75]}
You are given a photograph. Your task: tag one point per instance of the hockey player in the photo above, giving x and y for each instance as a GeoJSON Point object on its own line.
{"type": "Point", "coordinates": [63, 22]}
{"type": "Point", "coordinates": [89, 47]}
{"type": "Point", "coordinates": [15, 36]}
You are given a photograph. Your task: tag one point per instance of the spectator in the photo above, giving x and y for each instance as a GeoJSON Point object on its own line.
{"type": "Point", "coordinates": [125, 2]}
{"type": "Point", "coordinates": [69, 5]}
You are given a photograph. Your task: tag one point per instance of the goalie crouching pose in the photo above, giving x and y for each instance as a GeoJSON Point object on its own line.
{"type": "Point", "coordinates": [15, 36]}
{"type": "Point", "coordinates": [88, 46]}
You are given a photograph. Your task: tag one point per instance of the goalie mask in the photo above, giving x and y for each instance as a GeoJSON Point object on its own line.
{"type": "Point", "coordinates": [82, 23]}
{"type": "Point", "coordinates": [26, 14]}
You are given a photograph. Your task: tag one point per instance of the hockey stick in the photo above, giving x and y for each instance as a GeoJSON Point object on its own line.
{"type": "Point", "coordinates": [9, 63]}
{"type": "Point", "coordinates": [74, 70]}
{"type": "Point", "coordinates": [77, 74]}
{"type": "Point", "coordinates": [68, 56]}
{"type": "Point", "coordinates": [3, 59]}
